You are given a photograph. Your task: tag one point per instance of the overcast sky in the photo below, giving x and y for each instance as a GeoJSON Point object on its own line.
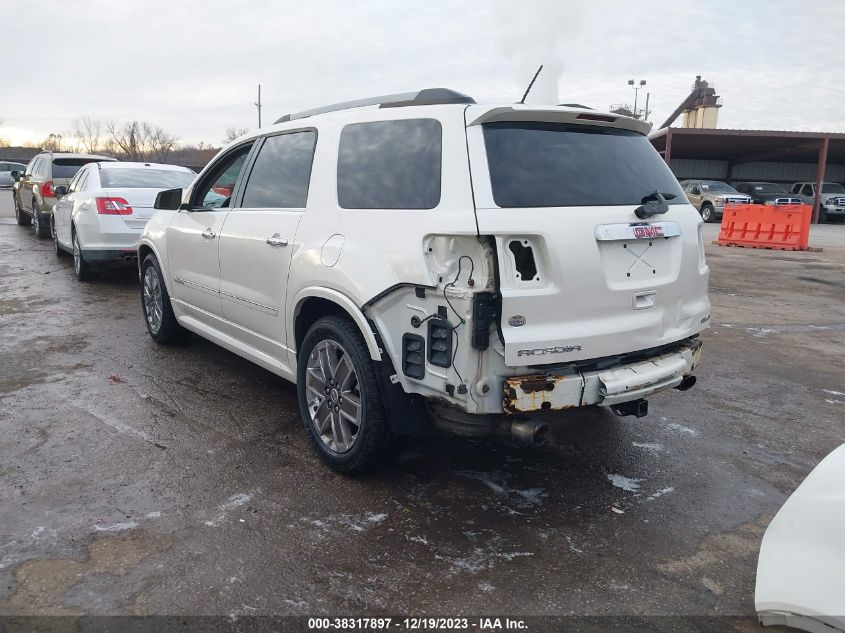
{"type": "Point", "coordinates": [192, 66]}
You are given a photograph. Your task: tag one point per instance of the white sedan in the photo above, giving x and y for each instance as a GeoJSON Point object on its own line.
{"type": "Point", "coordinates": [101, 213]}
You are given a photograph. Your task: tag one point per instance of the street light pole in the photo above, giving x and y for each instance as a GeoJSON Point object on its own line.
{"type": "Point", "coordinates": [636, 88]}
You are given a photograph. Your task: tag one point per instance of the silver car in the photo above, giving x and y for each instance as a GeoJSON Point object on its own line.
{"type": "Point", "coordinates": [6, 169]}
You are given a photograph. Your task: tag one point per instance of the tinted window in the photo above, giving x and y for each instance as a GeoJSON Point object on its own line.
{"type": "Point", "coordinates": [67, 167]}
{"type": "Point", "coordinates": [390, 165]}
{"type": "Point", "coordinates": [281, 173]}
{"type": "Point", "coordinates": [561, 165]}
{"type": "Point", "coordinates": [217, 186]}
{"type": "Point", "coordinates": [134, 178]}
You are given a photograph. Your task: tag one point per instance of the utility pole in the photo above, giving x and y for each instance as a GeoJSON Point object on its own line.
{"type": "Point", "coordinates": [258, 105]}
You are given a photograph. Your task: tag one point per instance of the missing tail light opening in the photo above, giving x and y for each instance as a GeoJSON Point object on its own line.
{"type": "Point", "coordinates": [523, 256]}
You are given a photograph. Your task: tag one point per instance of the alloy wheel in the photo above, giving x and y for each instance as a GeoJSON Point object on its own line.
{"type": "Point", "coordinates": [153, 302]}
{"type": "Point", "coordinates": [333, 394]}
{"type": "Point", "coordinates": [706, 214]}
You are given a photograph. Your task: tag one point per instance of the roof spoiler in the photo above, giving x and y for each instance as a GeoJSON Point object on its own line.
{"type": "Point", "coordinates": [555, 114]}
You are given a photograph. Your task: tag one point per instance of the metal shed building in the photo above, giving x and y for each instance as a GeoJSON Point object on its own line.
{"type": "Point", "coordinates": [767, 155]}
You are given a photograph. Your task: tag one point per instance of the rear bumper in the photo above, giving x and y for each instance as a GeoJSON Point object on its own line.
{"type": "Point", "coordinates": [632, 381]}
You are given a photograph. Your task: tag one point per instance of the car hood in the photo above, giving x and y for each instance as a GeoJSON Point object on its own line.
{"type": "Point", "coordinates": [801, 569]}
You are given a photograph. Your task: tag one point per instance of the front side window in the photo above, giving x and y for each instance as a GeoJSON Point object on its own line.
{"type": "Point", "coordinates": [544, 164]}
{"type": "Point", "coordinates": [390, 165]}
{"type": "Point", "coordinates": [807, 191]}
{"type": "Point", "coordinates": [282, 172]}
{"type": "Point", "coordinates": [145, 177]}
{"type": "Point", "coordinates": [215, 190]}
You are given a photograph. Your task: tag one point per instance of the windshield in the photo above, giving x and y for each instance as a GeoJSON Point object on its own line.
{"type": "Point", "coordinates": [832, 187]}
{"type": "Point", "coordinates": [144, 177]}
{"type": "Point", "coordinates": [717, 185]}
{"type": "Point", "coordinates": [536, 164]}
{"type": "Point", "coordinates": [768, 187]}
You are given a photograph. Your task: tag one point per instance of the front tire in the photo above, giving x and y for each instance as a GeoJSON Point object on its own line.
{"type": "Point", "coordinates": [20, 215]}
{"type": "Point", "coordinates": [340, 398]}
{"type": "Point", "coordinates": [81, 268]}
{"type": "Point", "coordinates": [155, 304]}
{"type": "Point", "coordinates": [707, 213]}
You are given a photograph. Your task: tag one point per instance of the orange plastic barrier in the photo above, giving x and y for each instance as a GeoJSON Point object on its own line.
{"type": "Point", "coordinates": [785, 227]}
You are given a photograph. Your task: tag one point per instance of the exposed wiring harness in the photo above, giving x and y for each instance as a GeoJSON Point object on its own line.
{"type": "Point", "coordinates": [461, 320]}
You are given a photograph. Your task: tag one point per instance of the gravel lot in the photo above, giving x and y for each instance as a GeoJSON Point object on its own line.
{"type": "Point", "coordinates": [145, 480]}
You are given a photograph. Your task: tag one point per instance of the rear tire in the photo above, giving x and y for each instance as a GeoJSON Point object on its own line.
{"type": "Point", "coordinates": [342, 406]}
{"type": "Point", "coordinates": [823, 216]}
{"type": "Point", "coordinates": [82, 269]}
{"type": "Point", "coordinates": [155, 305]}
{"type": "Point", "coordinates": [20, 215]}
{"type": "Point", "coordinates": [39, 222]}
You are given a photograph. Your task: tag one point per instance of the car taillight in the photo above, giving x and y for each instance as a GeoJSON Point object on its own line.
{"type": "Point", "coordinates": [113, 206]}
{"type": "Point", "coordinates": [47, 190]}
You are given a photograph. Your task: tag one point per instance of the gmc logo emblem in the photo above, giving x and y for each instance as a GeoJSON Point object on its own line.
{"type": "Point", "coordinates": [641, 232]}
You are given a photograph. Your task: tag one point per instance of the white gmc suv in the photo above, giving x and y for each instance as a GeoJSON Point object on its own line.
{"type": "Point", "coordinates": [420, 258]}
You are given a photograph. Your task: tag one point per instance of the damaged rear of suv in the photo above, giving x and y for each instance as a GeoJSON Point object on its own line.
{"type": "Point", "coordinates": [462, 263]}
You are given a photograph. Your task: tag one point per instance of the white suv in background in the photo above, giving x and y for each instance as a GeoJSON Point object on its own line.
{"type": "Point", "coordinates": [422, 258]}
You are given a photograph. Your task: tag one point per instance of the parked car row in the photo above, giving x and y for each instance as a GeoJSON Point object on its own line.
{"type": "Point", "coordinates": [416, 259]}
{"type": "Point", "coordinates": [93, 207]}
{"type": "Point", "coordinates": [711, 196]}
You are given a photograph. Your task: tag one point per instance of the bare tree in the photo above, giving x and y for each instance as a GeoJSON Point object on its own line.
{"type": "Point", "coordinates": [88, 133]}
{"type": "Point", "coordinates": [53, 143]}
{"type": "Point", "coordinates": [234, 132]}
{"type": "Point", "coordinates": [139, 140]}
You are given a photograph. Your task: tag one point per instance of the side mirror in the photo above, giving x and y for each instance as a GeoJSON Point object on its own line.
{"type": "Point", "coordinates": [169, 199]}
{"type": "Point", "coordinates": [61, 190]}
{"type": "Point", "coordinates": [16, 175]}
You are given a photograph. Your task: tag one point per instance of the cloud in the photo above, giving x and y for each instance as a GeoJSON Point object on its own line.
{"type": "Point", "coordinates": [193, 67]}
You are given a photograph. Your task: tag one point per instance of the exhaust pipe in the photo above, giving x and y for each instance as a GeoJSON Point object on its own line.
{"type": "Point", "coordinates": [686, 383]}
{"type": "Point", "coordinates": [531, 432]}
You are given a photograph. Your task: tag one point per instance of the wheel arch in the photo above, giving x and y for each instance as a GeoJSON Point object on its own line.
{"type": "Point", "coordinates": [146, 248]}
{"type": "Point", "coordinates": [314, 303]}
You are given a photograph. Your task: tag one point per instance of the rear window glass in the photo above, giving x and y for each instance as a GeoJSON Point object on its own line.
{"type": "Point", "coordinates": [565, 165]}
{"type": "Point", "coordinates": [67, 167]}
{"type": "Point", "coordinates": [282, 172]}
{"type": "Point", "coordinates": [143, 177]}
{"type": "Point", "coordinates": [390, 165]}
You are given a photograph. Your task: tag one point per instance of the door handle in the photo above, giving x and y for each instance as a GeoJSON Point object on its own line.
{"type": "Point", "coordinates": [277, 240]}
{"type": "Point", "coordinates": [209, 234]}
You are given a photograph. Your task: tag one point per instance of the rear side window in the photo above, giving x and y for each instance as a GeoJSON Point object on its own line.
{"type": "Point", "coordinates": [565, 165]}
{"type": "Point", "coordinates": [67, 167]}
{"type": "Point", "coordinates": [390, 165]}
{"type": "Point", "coordinates": [143, 177]}
{"type": "Point", "coordinates": [282, 172]}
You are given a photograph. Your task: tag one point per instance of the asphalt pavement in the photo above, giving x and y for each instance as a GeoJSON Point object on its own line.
{"type": "Point", "coordinates": [139, 480]}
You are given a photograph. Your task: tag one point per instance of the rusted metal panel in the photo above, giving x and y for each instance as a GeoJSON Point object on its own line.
{"type": "Point", "coordinates": [524, 394]}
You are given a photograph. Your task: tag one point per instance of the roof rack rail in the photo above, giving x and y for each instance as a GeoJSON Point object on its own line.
{"type": "Point", "coordinates": [428, 96]}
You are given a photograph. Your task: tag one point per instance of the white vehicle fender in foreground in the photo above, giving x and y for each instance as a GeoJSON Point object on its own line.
{"type": "Point", "coordinates": [344, 302]}
{"type": "Point", "coordinates": [801, 569]}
